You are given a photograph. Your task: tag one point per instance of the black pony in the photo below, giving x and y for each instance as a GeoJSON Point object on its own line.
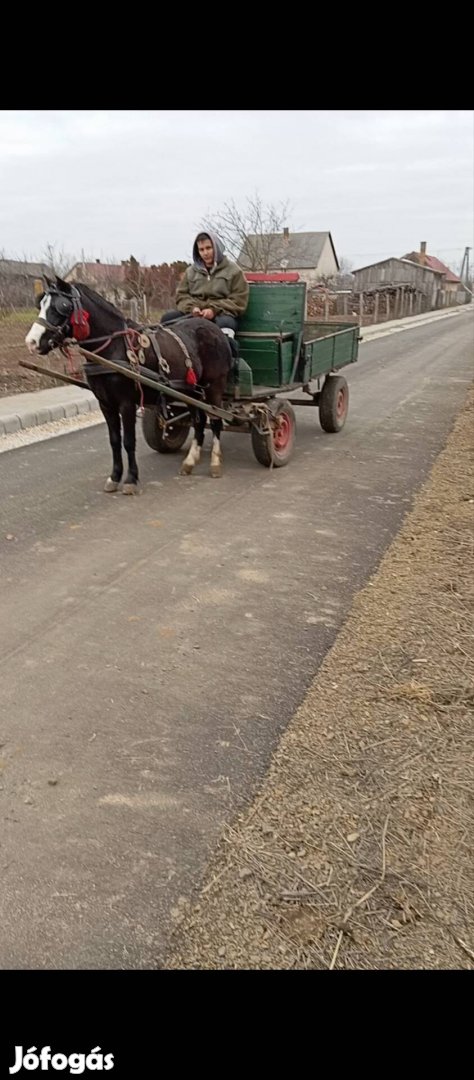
{"type": "Point", "coordinates": [193, 353]}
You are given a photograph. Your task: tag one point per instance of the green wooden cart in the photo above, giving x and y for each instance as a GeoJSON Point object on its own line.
{"type": "Point", "coordinates": [279, 353]}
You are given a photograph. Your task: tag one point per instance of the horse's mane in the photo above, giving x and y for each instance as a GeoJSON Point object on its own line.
{"type": "Point", "coordinates": [101, 302]}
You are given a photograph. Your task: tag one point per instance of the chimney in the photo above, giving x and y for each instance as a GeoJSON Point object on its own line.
{"type": "Point", "coordinates": [422, 252]}
{"type": "Point", "coordinates": [97, 260]}
{"type": "Point", "coordinates": [286, 234]}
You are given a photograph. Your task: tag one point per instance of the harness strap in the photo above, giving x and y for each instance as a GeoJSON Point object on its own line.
{"type": "Point", "coordinates": [187, 358]}
{"type": "Point", "coordinates": [191, 377]}
{"type": "Point", "coordinates": [162, 361]}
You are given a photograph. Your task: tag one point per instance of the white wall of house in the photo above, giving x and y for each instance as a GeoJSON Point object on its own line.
{"type": "Point", "coordinates": [327, 266]}
{"type": "Point", "coordinates": [310, 276]}
{"type": "Point", "coordinates": [327, 262]}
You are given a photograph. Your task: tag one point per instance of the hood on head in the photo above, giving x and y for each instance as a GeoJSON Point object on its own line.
{"type": "Point", "coordinates": [218, 249]}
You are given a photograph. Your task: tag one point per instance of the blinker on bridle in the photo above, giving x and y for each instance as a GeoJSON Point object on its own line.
{"type": "Point", "coordinates": [68, 307]}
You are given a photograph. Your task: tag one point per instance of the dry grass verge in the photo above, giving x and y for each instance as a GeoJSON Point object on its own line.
{"type": "Point", "coordinates": [358, 851]}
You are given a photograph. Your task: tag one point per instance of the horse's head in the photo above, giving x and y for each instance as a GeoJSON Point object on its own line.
{"type": "Point", "coordinates": [61, 316]}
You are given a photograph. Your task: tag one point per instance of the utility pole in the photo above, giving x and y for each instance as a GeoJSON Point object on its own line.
{"type": "Point", "coordinates": [465, 263]}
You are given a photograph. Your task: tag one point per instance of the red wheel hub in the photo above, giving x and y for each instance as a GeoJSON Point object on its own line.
{"type": "Point", "coordinates": [282, 434]}
{"type": "Point", "coordinates": [341, 404]}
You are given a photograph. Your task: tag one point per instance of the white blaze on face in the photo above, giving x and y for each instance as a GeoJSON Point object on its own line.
{"type": "Point", "coordinates": [34, 335]}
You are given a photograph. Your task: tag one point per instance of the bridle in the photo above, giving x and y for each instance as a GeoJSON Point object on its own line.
{"type": "Point", "coordinates": [67, 305]}
{"type": "Point", "coordinates": [75, 327]}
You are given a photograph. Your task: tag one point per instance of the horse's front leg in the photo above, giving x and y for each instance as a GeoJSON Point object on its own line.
{"type": "Point", "coordinates": [112, 418]}
{"type": "Point", "coordinates": [129, 417]}
{"type": "Point", "coordinates": [193, 456]}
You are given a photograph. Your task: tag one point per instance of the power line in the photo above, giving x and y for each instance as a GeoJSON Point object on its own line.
{"type": "Point", "coordinates": [365, 254]}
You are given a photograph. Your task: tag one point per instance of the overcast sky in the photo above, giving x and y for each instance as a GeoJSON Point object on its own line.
{"type": "Point", "coordinates": [113, 184]}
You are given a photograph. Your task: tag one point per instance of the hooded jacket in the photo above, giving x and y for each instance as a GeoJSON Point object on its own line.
{"type": "Point", "coordinates": [222, 288]}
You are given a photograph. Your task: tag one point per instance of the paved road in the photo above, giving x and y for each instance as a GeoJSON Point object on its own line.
{"type": "Point", "coordinates": [152, 649]}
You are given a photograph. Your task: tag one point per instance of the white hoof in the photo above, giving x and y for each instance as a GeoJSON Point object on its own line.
{"type": "Point", "coordinates": [216, 459]}
{"type": "Point", "coordinates": [131, 489]}
{"type": "Point", "coordinates": [111, 485]}
{"type": "Point", "coordinates": [192, 458]}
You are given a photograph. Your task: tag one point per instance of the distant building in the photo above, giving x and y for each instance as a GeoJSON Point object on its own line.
{"type": "Point", "coordinates": [431, 279]}
{"type": "Point", "coordinates": [107, 278]}
{"type": "Point", "coordinates": [17, 281]}
{"type": "Point", "coordinates": [392, 273]}
{"type": "Point", "coordinates": [454, 289]}
{"type": "Point", "coordinates": [311, 254]}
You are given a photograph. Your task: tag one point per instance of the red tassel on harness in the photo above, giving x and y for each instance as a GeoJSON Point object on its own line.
{"type": "Point", "coordinates": [191, 377]}
{"type": "Point", "coordinates": [80, 324]}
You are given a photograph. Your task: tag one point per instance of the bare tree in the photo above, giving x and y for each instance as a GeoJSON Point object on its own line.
{"type": "Point", "coordinates": [344, 279]}
{"type": "Point", "coordinates": [252, 235]}
{"type": "Point", "coordinates": [58, 260]}
{"type": "Point", "coordinates": [345, 265]}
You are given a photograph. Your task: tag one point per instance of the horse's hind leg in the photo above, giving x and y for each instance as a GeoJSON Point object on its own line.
{"type": "Point", "coordinates": [193, 456]}
{"type": "Point", "coordinates": [129, 419]}
{"type": "Point", "coordinates": [112, 418]}
{"type": "Point", "coordinates": [214, 396]}
{"type": "Point", "coordinates": [216, 451]}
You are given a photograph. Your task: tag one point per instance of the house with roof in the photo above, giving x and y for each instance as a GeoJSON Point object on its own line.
{"type": "Point", "coordinates": [311, 254]}
{"type": "Point", "coordinates": [454, 290]}
{"type": "Point", "coordinates": [397, 273]}
{"type": "Point", "coordinates": [107, 278]}
{"type": "Point", "coordinates": [434, 282]}
{"type": "Point", "coordinates": [27, 271]}
{"type": "Point", "coordinates": [17, 281]}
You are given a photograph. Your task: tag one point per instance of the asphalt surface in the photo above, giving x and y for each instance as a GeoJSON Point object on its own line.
{"type": "Point", "coordinates": [152, 649]}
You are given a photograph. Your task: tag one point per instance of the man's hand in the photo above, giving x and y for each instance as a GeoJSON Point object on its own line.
{"type": "Point", "coordinates": [207, 313]}
{"type": "Point", "coordinates": [197, 311]}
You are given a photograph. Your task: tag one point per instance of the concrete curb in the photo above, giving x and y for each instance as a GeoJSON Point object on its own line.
{"type": "Point", "coordinates": [409, 323]}
{"type": "Point", "coordinates": [23, 411]}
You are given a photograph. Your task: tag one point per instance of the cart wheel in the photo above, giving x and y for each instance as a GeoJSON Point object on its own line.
{"type": "Point", "coordinates": [333, 403]}
{"type": "Point", "coordinates": [276, 449]}
{"type": "Point", "coordinates": [154, 434]}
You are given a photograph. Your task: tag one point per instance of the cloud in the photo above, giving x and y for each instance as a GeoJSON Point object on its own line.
{"type": "Point", "coordinates": [133, 181]}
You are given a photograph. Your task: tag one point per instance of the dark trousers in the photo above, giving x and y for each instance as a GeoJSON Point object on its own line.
{"type": "Point", "coordinates": [227, 321]}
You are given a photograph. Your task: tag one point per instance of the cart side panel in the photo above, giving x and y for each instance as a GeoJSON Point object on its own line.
{"type": "Point", "coordinates": [332, 346]}
{"type": "Point", "coordinates": [318, 329]}
{"type": "Point", "coordinates": [271, 362]}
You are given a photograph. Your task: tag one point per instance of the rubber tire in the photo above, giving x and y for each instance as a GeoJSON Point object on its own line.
{"type": "Point", "coordinates": [263, 446]}
{"type": "Point", "coordinates": [153, 434]}
{"type": "Point", "coordinates": [334, 394]}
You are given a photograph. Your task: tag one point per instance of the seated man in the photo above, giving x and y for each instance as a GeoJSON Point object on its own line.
{"type": "Point", "coordinates": [213, 287]}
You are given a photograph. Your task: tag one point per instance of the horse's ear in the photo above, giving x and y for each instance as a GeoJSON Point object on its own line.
{"type": "Point", "coordinates": [47, 281]}
{"type": "Point", "coordinates": [63, 285]}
